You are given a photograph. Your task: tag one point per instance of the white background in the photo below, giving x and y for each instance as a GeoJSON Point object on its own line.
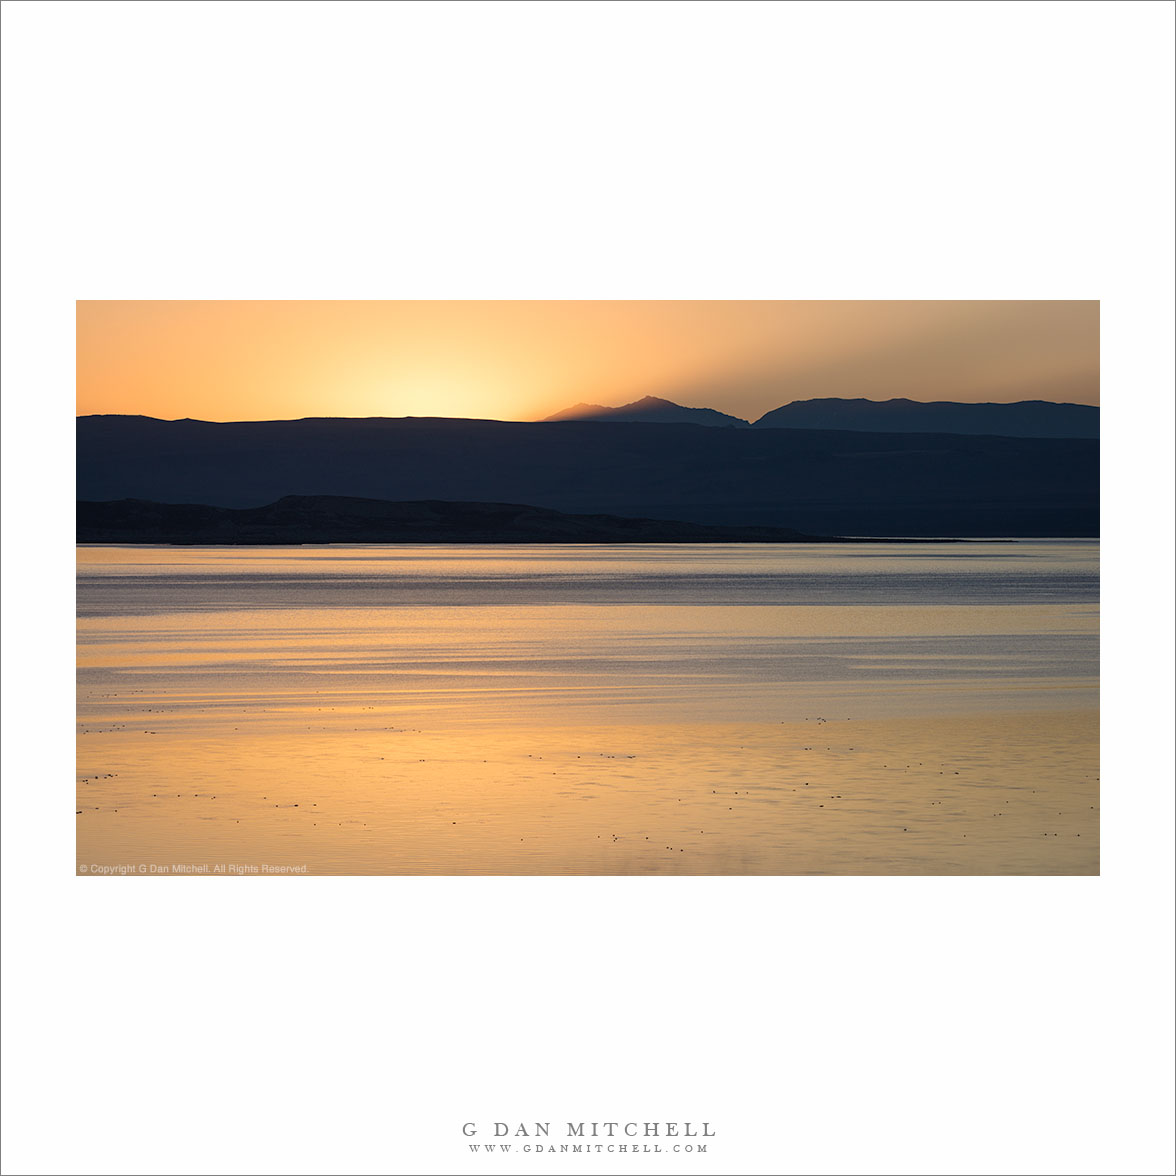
{"type": "Point", "coordinates": [588, 150]}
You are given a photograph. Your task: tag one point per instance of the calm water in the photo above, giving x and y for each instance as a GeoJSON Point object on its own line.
{"type": "Point", "coordinates": [859, 708]}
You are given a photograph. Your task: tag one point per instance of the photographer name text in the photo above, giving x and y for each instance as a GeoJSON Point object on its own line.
{"type": "Point", "coordinates": [606, 1136]}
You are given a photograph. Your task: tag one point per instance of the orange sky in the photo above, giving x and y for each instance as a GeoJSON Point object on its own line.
{"type": "Point", "coordinates": [223, 361]}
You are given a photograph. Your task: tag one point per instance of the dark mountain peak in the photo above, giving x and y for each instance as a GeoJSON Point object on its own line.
{"type": "Point", "coordinates": [650, 410]}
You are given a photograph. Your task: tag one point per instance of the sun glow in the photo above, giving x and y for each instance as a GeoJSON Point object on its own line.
{"type": "Point", "coordinates": [524, 360]}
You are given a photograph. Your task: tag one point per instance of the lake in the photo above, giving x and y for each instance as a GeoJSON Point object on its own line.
{"type": "Point", "coordinates": [852, 708]}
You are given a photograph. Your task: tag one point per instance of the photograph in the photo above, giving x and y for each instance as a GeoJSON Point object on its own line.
{"type": "Point", "coordinates": [385, 588]}
{"type": "Point", "coordinates": [643, 532]}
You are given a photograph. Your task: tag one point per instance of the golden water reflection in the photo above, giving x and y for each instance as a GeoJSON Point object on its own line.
{"type": "Point", "coordinates": [236, 727]}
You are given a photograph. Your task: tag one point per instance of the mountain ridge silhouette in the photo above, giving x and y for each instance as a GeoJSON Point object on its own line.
{"type": "Point", "coordinates": [1021, 418]}
{"type": "Point", "coordinates": [296, 519]}
{"type": "Point", "coordinates": [815, 482]}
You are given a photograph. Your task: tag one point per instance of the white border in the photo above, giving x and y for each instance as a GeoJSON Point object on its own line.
{"type": "Point", "coordinates": [641, 150]}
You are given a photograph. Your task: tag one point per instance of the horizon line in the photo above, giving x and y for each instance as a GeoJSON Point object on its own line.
{"type": "Point", "coordinates": [571, 420]}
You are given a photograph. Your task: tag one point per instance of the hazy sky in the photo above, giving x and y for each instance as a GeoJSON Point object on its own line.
{"type": "Point", "coordinates": [524, 360]}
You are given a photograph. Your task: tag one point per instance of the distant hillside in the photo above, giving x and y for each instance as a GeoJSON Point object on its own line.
{"type": "Point", "coordinates": [819, 483]}
{"type": "Point", "coordinates": [653, 411]}
{"type": "Point", "coordinates": [325, 519]}
{"type": "Point", "coordinates": [1025, 418]}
